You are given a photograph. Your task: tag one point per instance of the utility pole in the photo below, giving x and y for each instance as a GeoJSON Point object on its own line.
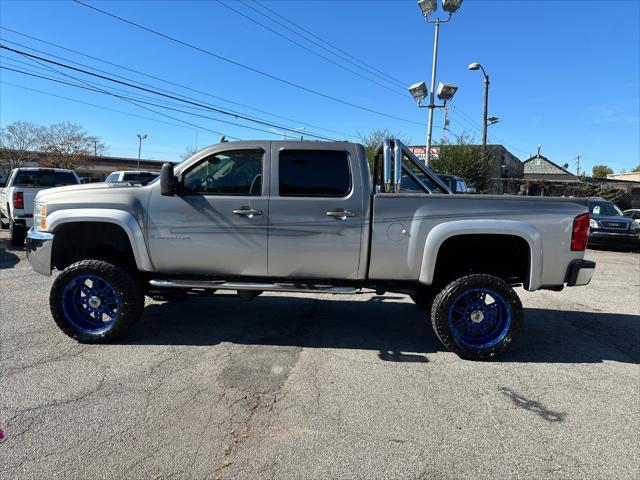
{"type": "Point", "coordinates": [445, 124]}
{"type": "Point", "coordinates": [95, 148]}
{"type": "Point", "coordinates": [140, 138]}
{"type": "Point", "coordinates": [578, 165]}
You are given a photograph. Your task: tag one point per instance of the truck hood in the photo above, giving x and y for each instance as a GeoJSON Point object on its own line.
{"type": "Point", "coordinates": [82, 188]}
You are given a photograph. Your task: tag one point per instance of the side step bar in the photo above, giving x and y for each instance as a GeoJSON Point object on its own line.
{"type": "Point", "coordinates": [264, 287]}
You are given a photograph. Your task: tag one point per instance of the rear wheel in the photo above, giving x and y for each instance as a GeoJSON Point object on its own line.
{"type": "Point", "coordinates": [477, 316]}
{"type": "Point", "coordinates": [94, 301]}
{"type": "Point", "coordinates": [16, 234]}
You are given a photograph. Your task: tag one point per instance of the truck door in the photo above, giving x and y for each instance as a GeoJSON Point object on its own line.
{"type": "Point", "coordinates": [316, 212]}
{"type": "Point", "coordinates": [219, 225]}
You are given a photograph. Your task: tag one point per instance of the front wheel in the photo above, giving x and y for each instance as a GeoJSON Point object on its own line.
{"type": "Point", "coordinates": [94, 301]}
{"type": "Point", "coordinates": [477, 316]}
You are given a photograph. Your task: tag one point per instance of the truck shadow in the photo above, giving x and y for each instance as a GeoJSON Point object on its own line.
{"type": "Point", "coordinates": [396, 329]}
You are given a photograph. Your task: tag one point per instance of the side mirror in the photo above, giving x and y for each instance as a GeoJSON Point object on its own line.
{"type": "Point", "coordinates": [167, 180]}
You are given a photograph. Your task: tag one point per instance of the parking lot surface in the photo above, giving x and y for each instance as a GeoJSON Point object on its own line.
{"type": "Point", "coordinates": [321, 387]}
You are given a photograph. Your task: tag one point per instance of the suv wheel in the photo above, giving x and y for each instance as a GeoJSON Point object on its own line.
{"type": "Point", "coordinates": [94, 301]}
{"type": "Point", "coordinates": [477, 316]}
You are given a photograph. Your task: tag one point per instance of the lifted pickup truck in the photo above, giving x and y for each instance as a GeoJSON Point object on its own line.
{"type": "Point", "coordinates": [307, 217]}
{"type": "Point", "coordinates": [16, 199]}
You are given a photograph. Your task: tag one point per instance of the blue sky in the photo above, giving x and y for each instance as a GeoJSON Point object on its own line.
{"type": "Point", "coordinates": [564, 74]}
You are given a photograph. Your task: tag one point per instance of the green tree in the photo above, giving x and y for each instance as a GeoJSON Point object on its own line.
{"type": "Point", "coordinates": [465, 160]}
{"type": "Point", "coordinates": [600, 171]}
{"type": "Point", "coordinates": [372, 140]}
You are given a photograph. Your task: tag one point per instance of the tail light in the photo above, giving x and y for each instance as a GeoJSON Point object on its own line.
{"type": "Point", "coordinates": [18, 200]}
{"type": "Point", "coordinates": [580, 233]}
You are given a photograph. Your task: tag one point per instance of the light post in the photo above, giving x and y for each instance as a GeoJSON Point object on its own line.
{"type": "Point", "coordinates": [141, 136]}
{"type": "Point", "coordinates": [478, 66]}
{"type": "Point", "coordinates": [445, 92]}
{"type": "Point", "coordinates": [427, 7]}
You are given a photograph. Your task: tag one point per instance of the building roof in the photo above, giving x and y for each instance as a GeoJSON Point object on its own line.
{"type": "Point", "coordinates": [540, 165]}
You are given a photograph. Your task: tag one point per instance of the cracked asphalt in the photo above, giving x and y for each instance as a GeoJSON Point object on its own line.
{"type": "Point", "coordinates": [303, 387]}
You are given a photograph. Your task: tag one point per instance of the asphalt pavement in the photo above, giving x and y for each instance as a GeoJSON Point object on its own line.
{"type": "Point", "coordinates": [321, 387]}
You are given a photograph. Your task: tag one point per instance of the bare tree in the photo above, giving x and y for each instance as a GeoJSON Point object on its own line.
{"type": "Point", "coordinates": [68, 145]}
{"type": "Point", "coordinates": [18, 141]}
{"type": "Point", "coordinates": [188, 152]}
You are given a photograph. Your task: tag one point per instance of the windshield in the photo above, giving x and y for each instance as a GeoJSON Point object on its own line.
{"type": "Point", "coordinates": [44, 178]}
{"type": "Point", "coordinates": [140, 177]}
{"type": "Point", "coordinates": [605, 209]}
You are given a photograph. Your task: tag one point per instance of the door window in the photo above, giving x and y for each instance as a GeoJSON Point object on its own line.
{"type": "Point", "coordinates": [314, 173]}
{"type": "Point", "coordinates": [236, 172]}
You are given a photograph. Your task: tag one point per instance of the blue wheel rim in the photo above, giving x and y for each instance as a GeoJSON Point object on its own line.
{"type": "Point", "coordinates": [479, 318]}
{"type": "Point", "coordinates": [90, 303]}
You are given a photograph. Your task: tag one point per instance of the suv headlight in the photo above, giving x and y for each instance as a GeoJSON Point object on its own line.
{"type": "Point", "coordinates": [593, 224]}
{"type": "Point", "coordinates": [40, 216]}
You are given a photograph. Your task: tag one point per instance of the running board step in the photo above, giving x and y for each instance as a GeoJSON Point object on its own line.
{"type": "Point", "coordinates": [264, 287]}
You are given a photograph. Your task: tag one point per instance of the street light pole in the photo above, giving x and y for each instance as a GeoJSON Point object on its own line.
{"type": "Point", "coordinates": [478, 66]}
{"type": "Point", "coordinates": [428, 7]}
{"type": "Point", "coordinates": [140, 138]}
{"type": "Point", "coordinates": [431, 92]}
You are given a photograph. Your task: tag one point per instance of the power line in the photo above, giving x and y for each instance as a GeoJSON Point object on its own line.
{"type": "Point", "coordinates": [182, 98]}
{"type": "Point", "coordinates": [246, 67]}
{"type": "Point", "coordinates": [173, 97]}
{"type": "Point", "coordinates": [138, 102]}
{"type": "Point", "coordinates": [151, 76]}
{"type": "Point", "coordinates": [204, 129]}
{"type": "Point", "coordinates": [281, 35]}
{"type": "Point", "coordinates": [383, 74]}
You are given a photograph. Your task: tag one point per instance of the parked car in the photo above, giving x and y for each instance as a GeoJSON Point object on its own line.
{"type": "Point", "coordinates": [632, 213]}
{"type": "Point", "coordinates": [135, 177]}
{"type": "Point", "coordinates": [307, 217]}
{"type": "Point", "coordinates": [16, 198]}
{"type": "Point", "coordinates": [456, 184]}
{"type": "Point", "coordinates": [610, 227]}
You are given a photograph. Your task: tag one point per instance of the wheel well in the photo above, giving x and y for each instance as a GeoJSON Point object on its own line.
{"type": "Point", "coordinates": [83, 240]}
{"type": "Point", "coordinates": [505, 256]}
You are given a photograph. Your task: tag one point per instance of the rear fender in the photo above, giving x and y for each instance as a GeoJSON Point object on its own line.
{"type": "Point", "coordinates": [439, 234]}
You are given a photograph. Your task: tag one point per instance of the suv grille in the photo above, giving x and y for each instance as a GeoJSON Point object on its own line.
{"type": "Point", "coordinates": [615, 225]}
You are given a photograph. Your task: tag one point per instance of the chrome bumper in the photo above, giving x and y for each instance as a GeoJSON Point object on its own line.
{"type": "Point", "coordinates": [580, 272]}
{"type": "Point", "coordinates": [39, 246]}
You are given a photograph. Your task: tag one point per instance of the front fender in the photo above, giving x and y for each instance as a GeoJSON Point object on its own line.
{"type": "Point", "coordinates": [119, 217]}
{"type": "Point", "coordinates": [439, 234]}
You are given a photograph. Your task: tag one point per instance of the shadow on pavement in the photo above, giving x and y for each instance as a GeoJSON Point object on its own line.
{"type": "Point", "coordinates": [391, 328]}
{"type": "Point", "coordinates": [8, 259]}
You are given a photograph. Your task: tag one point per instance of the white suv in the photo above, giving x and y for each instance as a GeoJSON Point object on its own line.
{"type": "Point", "coordinates": [136, 177]}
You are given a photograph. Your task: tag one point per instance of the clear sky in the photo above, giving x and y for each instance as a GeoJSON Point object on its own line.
{"type": "Point", "coordinates": [564, 74]}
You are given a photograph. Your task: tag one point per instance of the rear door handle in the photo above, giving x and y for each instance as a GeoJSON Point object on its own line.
{"type": "Point", "coordinates": [341, 214]}
{"type": "Point", "coordinates": [247, 212]}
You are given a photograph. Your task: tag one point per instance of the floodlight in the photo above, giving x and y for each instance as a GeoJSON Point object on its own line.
{"type": "Point", "coordinates": [446, 91]}
{"type": "Point", "coordinates": [451, 6]}
{"type": "Point", "coordinates": [475, 66]}
{"type": "Point", "coordinates": [427, 6]}
{"type": "Point", "coordinates": [418, 91]}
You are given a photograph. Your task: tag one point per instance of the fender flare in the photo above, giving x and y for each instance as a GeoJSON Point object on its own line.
{"type": "Point", "coordinates": [118, 217]}
{"type": "Point", "coordinates": [440, 233]}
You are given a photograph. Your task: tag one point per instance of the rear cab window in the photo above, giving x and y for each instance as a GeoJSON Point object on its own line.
{"type": "Point", "coordinates": [43, 178]}
{"type": "Point", "coordinates": [139, 177]}
{"type": "Point", "coordinates": [314, 173]}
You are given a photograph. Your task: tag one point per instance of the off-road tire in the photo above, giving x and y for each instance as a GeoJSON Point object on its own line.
{"type": "Point", "coordinates": [128, 288]}
{"type": "Point", "coordinates": [443, 301]}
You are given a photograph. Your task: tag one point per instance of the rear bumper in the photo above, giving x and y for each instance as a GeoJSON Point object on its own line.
{"type": "Point", "coordinates": [580, 272]}
{"type": "Point", "coordinates": [610, 238]}
{"type": "Point", "coordinates": [39, 245]}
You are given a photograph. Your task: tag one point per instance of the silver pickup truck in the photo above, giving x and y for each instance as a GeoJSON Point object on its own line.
{"type": "Point", "coordinates": [309, 217]}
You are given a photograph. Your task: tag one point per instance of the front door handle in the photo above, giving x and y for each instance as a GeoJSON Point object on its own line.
{"type": "Point", "coordinates": [342, 214]}
{"type": "Point", "coordinates": [247, 212]}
